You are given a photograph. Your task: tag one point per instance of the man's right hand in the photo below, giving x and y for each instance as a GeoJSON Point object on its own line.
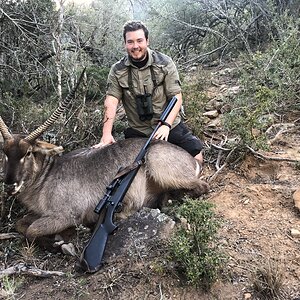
{"type": "Point", "coordinates": [105, 140]}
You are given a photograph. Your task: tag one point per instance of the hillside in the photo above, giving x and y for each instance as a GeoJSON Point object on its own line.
{"type": "Point", "coordinates": [260, 234]}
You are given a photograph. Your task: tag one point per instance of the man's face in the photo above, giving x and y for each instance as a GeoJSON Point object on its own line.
{"type": "Point", "coordinates": [136, 44]}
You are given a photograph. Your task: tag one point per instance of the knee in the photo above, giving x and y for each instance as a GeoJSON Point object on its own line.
{"type": "Point", "coordinates": [199, 158]}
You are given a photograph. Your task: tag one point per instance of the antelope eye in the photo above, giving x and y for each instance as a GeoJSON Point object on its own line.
{"type": "Point", "coordinates": [28, 153]}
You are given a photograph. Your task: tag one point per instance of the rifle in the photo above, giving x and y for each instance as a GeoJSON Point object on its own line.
{"type": "Point", "coordinates": [91, 257]}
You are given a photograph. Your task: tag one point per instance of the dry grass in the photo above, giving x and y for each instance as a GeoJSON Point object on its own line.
{"type": "Point", "coordinates": [268, 280]}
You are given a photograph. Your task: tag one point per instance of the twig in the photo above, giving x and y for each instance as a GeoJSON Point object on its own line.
{"type": "Point", "coordinates": [259, 155]}
{"type": "Point", "coordinates": [220, 148]}
{"type": "Point", "coordinates": [222, 167]}
{"type": "Point", "coordinates": [279, 133]}
{"type": "Point", "coordinates": [219, 159]}
{"type": "Point", "coordinates": [212, 137]}
{"type": "Point", "coordinates": [22, 268]}
{"type": "Point", "coordinates": [160, 292]}
{"type": "Point", "coordinates": [7, 236]}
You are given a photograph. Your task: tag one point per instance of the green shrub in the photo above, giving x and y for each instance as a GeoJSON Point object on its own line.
{"type": "Point", "coordinates": [8, 287]}
{"type": "Point", "coordinates": [194, 99]}
{"type": "Point", "coordinates": [79, 126]}
{"type": "Point", "coordinates": [97, 78]}
{"type": "Point", "coordinates": [249, 120]}
{"type": "Point", "coordinates": [194, 247]}
{"type": "Point", "coordinates": [270, 86]}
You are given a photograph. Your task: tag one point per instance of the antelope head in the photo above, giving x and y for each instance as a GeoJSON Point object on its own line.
{"type": "Point", "coordinates": [25, 156]}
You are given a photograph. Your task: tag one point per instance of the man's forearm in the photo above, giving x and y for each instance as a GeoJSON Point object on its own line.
{"type": "Point", "coordinates": [173, 114]}
{"type": "Point", "coordinates": [110, 109]}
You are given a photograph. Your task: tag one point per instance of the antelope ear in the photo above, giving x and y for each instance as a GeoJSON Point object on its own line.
{"type": "Point", "coordinates": [47, 148]}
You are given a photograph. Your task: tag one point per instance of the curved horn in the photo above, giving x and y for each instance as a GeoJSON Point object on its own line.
{"type": "Point", "coordinates": [4, 130]}
{"type": "Point", "coordinates": [55, 115]}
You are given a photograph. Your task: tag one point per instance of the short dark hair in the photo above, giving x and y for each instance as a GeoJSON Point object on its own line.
{"type": "Point", "coordinates": [133, 26]}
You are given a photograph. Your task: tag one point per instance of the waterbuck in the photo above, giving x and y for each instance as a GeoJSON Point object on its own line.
{"type": "Point", "coordinates": [61, 191]}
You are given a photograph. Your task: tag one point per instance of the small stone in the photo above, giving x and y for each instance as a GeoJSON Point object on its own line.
{"type": "Point", "coordinates": [162, 217]}
{"type": "Point", "coordinates": [225, 108]}
{"type": "Point", "coordinates": [214, 123]}
{"type": "Point", "coordinates": [295, 233]}
{"type": "Point", "coordinates": [234, 90]}
{"type": "Point", "coordinates": [296, 198]}
{"type": "Point", "coordinates": [68, 249]}
{"type": "Point", "coordinates": [155, 212]}
{"type": "Point", "coordinates": [247, 296]}
{"type": "Point", "coordinates": [211, 114]}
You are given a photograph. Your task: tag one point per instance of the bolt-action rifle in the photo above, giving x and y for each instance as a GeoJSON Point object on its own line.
{"type": "Point", "coordinates": [91, 257]}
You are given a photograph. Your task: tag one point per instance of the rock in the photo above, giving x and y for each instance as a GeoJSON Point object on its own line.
{"type": "Point", "coordinates": [68, 249]}
{"type": "Point", "coordinates": [136, 235]}
{"type": "Point", "coordinates": [295, 233]}
{"type": "Point", "coordinates": [215, 123]}
{"type": "Point", "coordinates": [233, 90]}
{"type": "Point", "coordinates": [211, 114]}
{"type": "Point", "coordinates": [214, 104]}
{"type": "Point", "coordinates": [209, 105]}
{"type": "Point", "coordinates": [247, 296]}
{"type": "Point", "coordinates": [296, 197]}
{"type": "Point", "coordinates": [225, 108]}
{"type": "Point", "coordinates": [210, 94]}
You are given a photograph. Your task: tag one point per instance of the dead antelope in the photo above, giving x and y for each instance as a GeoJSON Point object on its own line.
{"type": "Point", "coordinates": [61, 191]}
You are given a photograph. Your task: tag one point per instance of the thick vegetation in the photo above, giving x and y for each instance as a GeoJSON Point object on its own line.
{"type": "Point", "coordinates": [193, 246]}
{"type": "Point", "coordinates": [45, 45]}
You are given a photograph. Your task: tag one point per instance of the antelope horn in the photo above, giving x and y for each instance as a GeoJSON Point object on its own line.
{"type": "Point", "coordinates": [55, 115]}
{"type": "Point", "coordinates": [4, 130]}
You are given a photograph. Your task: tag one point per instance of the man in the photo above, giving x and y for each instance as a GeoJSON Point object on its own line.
{"type": "Point", "coordinates": [145, 80]}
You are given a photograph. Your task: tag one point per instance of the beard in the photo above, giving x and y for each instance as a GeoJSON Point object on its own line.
{"type": "Point", "coordinates": [139, 59]}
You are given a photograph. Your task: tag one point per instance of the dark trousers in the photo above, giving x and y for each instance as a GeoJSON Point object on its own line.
{"type": "Point", "coordinates": [180, 135]}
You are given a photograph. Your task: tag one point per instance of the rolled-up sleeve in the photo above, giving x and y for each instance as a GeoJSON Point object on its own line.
{"type": "Point", "coordinates": [113, 87]}
{"type": "Point", "coordinates": [172, 81]}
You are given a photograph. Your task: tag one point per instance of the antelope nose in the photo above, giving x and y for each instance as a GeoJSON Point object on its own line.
{"type": "Point", "coordinates": [14, 188]}
{"type": "Point", "coordinates": [9, 188]}
{"type": "Point", "coordinates": [9, 178]}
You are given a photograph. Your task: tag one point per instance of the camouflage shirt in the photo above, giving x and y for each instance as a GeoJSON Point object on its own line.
{"type": "Point", "coordinates": [167, 82]}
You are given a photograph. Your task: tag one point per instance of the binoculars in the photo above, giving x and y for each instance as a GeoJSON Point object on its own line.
{"type": "Point", "coordinates": [144, 106]}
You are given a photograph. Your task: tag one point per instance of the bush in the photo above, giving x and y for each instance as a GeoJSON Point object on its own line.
{"type": "Point", "coordinates": [268, 280]}
{"type": "Point", "coordinates": [194, 100]}
{"type": "Point", "coordinates": [193, 246]}
{"type": "Point", "coordinates": [270, 86]}
{"type": "Point", "coordinates": [97, 78]}
{"type": "Point", "coordinates": [79, 126]}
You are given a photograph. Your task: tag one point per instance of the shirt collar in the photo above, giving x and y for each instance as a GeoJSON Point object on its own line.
{"type": "Point", "coordinates": [149, 63]}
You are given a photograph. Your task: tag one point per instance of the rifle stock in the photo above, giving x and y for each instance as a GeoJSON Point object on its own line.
{"type": "Point", "coordinates": [91, 257]}
{"type": "Point", "coordinates": [92, 254]}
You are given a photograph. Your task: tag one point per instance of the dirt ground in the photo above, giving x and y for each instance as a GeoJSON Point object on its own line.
{"type": "Point", "coordinates": [256, 203]}
{"type": "Point", "coordinates": [254, 199]}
